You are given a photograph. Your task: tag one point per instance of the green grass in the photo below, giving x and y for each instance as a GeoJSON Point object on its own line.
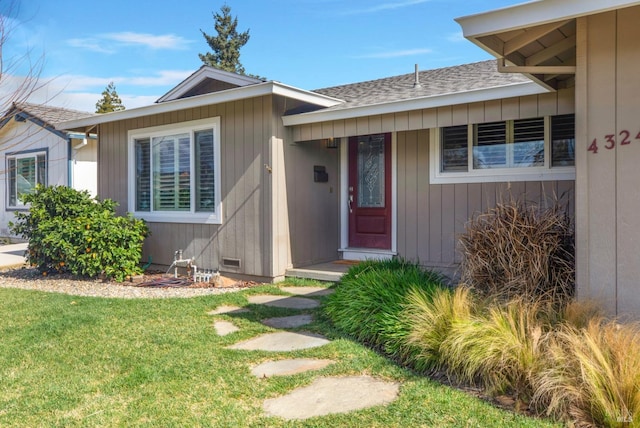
{"type": "Point", "coordinates": [68, 361]}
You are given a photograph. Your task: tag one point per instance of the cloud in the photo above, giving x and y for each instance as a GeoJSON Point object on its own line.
{"type": "Point", "coordinates": [396, 54]}
{"type": "Point", "coordinates": [109, 42]}
{"type": "Point", "coordinates": [162, 41]}
{"type": "Point", "coordinates": [91, 45]}
{"type": "Point", "coordinates": [81, 92]}
{"type": "Point", "coordinates": [386, 6]}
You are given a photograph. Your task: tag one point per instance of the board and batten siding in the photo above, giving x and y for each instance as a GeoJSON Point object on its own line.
{"type": "Point", "coordinates": [431, 217]}
{"type": "Point", "coordinates": [607, 196]}
{"type": "Point", "coordinates": [245, 232]}
{"type": "Point", "coordinates": [548, 104]}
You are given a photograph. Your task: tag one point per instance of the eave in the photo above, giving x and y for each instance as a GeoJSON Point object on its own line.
{"type": "Point", "coordinates": [230, 95]}
{"type": "Point", "coordinates": [441, 100]}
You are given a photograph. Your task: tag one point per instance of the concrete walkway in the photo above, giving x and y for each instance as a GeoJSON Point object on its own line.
{"type": "Point", "coordinates": [12, 255]}
{"type": "Point", "coordinates": [325, 395]}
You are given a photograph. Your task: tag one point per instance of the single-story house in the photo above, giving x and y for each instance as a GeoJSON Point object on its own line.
{"type": "Point", "coordinates": [256, 177]}
{"type": "Point", "coordinates": [34, 152]}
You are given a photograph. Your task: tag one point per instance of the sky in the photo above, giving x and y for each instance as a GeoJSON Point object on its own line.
{"type": "Point", "coordinates": [147, 47]}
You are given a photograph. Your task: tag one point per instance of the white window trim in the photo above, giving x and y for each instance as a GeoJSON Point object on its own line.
{"type": "Point", "coordinates": [178, 216]}
{"type": "Point", "coordinates": [493, 175]}
{"type": "Point", "coordinates": [22, 155]}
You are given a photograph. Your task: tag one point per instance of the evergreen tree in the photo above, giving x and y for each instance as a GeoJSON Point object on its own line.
{"type": "Point", "coordinates": [110, 100]}
{"type": "Point", "coordinates": [226, 45]}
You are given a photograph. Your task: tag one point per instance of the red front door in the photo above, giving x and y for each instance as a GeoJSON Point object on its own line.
{"type": "Point", "coordinates": [370, 191]}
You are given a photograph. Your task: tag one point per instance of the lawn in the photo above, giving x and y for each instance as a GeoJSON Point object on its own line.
{"type": "Point", "coordinates": [75, 361]}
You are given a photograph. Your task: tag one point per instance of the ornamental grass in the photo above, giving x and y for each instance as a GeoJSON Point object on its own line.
{"type": "Point", "coordinates": [519, 250]}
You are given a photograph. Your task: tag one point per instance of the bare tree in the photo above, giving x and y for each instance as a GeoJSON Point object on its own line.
{"type": "Point", "coordinates": [19, 74]}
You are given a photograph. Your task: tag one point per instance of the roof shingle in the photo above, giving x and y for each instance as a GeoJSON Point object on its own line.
{"type": "Point", "coordinates": [441, 81]}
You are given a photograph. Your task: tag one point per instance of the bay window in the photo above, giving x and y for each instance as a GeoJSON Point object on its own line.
{"type": "Point", "coordinates": [540, 148]}
{"type": "Point", "coordinates": [175, 172]}
{"type": "Point", "coordinates": [25, 170]}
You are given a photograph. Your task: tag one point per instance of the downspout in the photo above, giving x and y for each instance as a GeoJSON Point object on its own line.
{"type": "Point", "coordinates": [69, 162]}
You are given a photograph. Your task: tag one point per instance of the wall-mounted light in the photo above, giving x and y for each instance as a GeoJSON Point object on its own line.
{"type": "Point", "coordinates": [332, 143]}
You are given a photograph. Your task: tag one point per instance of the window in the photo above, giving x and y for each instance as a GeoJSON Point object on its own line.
{"type": "Point", "coordinates": [25, 171]}
{"type": "Point", "coordinates": [514, 150]}
{"type": "Point", "coordinates": [175, 173]}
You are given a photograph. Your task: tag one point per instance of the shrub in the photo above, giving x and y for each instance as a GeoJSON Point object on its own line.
{"type": "Point", "coordinates": [369, 300]}
{"type": "Point", "coordinates": [592, 375]}
{"type": "Point", "coordinates": [520, 251]}
{"type": "Point", "coordinates": [501, 348]}
{"type": "Point", "coordinates": [68, 231]}
{"type": "Point", "coordinates": [430, 319]}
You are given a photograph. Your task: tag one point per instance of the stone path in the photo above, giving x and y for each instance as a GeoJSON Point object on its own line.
{"type": "Point", "coordinates": [325, 395]}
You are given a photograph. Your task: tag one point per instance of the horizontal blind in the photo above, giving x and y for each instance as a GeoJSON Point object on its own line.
{"type": "Point", "coordinates": [489, 149]}
{"type": "Point", "coordinates": [205, 177]}
{"type": "Point", "coordinates": [563, 140]}
{"type": "Point", "coordinates": [455, 150]}
{"type": "Point", "coordinates": [143, 174]}
{"type": "Point", "coordinates": [528, 139]}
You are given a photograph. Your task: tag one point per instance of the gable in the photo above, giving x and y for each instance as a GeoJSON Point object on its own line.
{"type": "Point", "coordinates": [207, 80]}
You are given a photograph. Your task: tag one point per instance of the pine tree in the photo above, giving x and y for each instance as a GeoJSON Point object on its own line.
{"type": "Point", "coordinates": [110, 100]}
{"type": "Point", "coordinates": [226, 45]}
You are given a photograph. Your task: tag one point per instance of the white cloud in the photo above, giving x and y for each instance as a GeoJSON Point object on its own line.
{"type": "Point", "coordinates": [108, 43]}
{"type": "Point", "coordinates": [162, 41]}
{"type": "Point", "coordinates": [386, 6]}
{"type": "Point", "coordinates": [397, 54]}
{"type": "Point", "coordinates": [82, 92]}
{"type": "Point", "coordinates": [91, 44]}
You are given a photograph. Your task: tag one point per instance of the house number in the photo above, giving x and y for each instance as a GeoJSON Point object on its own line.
{"type": "Point", "coordinates": [610, 141]}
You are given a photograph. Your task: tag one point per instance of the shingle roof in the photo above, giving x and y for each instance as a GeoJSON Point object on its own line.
{"type": "Point", "coordinates": [50, 114]}
{"type": "Point", "coordinates": [441, 81]}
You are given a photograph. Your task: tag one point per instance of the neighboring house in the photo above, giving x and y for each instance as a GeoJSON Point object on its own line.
{"type": "Point", "coordinates": [257, 177]}
{"type": "Point", "coordinates": [34, 152]}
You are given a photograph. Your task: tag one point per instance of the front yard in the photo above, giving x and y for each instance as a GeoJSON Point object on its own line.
{"type": "Point", "coordinates": [84, 361]}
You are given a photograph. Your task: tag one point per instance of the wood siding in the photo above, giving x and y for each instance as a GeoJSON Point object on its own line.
{"type": "Point", "coordinates": [245, 232]}
{"type": "Point", "coordinates": [432, 216]}
{"type": "Point", "coordinates": [26, 136]}
{"type": "Point", "coordinates": [314, 209]}
{"type": "Point", "coordinates": [561, 102]}
{"type": "Point", "coordinates": [608, 201]}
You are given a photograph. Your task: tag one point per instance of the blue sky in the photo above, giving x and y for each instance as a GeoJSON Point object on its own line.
{"type": "Point", "coordinates": [146, 47]}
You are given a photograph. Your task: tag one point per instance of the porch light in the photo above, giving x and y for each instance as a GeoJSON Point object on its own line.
{"type": "Point", "coordinates": [332, 143]}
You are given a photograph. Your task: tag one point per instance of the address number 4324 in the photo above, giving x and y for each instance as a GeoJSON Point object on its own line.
{"type": "Point", "coordinates": [624, 138]}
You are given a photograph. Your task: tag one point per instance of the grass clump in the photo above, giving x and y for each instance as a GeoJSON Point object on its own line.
{"type": "Point", "coordinates": [520, 251]}
{"type": "Point", "coordinates": [500, 347]}
{"type": "Point", "coordinates": [431, 318]}
{"type": "Point", "coordinates": [369, 300]}
{"type": "Point", "coordinates": [592, 374]}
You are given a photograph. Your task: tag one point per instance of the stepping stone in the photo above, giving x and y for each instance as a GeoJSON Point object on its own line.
{"type": "Point", "coordinates": [224, 327]}
{"type": "Point", "coordinates": [289, 367]}
{"type": "Point", "coordinates": [227, 309]}
{"type": "Point", "coordinates": [308, 291]}
{"type": "Point", "coordinates": [284, 301]}
{"type": "Point", "coordinates": [332, 395]}
{"type": "Point", "coordinates": [282, 341]}
{"type": "Point", "coordinates": [288, 322]}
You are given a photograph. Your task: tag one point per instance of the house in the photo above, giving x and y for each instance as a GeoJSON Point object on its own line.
{"type": "Point", "coordinates": [256, 177]}
{"type": "Point", "coordinates": [34, 152]}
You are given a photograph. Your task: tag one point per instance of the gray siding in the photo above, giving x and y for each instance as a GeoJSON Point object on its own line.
{"type": "Point", "coordinates": [314, 209]}
{"type": "Point", "coordinates": [432, 216]}
{"type": "Point", "coordinates": [246, 129]}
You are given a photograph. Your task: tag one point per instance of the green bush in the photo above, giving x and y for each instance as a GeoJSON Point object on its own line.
{"type": "Point", "coordinates": [70, 232]}
{"type": "Point", "coordinates": [369, 301]}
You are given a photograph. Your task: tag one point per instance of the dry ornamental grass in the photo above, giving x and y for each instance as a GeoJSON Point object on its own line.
{"type": "Point", "coordinates": [520, 250]}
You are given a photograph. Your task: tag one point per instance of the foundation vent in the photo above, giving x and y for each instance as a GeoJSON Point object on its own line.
{"type": "Point", "coordinates": [231, 263]}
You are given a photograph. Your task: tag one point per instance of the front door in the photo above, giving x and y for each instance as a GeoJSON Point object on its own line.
{"type": "Point", "coordinates": [369, 196]}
